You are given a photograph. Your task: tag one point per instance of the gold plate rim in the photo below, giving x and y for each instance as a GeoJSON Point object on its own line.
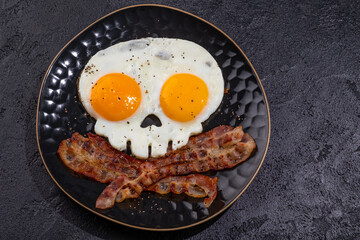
{"type": "Point", "coordinates": [122, 223]}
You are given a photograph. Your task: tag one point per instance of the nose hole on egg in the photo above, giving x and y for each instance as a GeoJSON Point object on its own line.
{"type": "Point", "coordinates": [151, 120]}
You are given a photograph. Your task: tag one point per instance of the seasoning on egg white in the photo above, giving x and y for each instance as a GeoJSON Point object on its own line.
{"type": "Point", "coordinates": [181, 84]}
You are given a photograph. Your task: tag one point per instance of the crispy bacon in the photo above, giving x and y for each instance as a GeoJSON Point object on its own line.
{"type": "Point", "coordinates": [227, 147]}
{"type": "Point", "coordinates": [223, 147]}
{"type": "Point", "coordinates": [110, 192]}
{"type": "Point", "coordinates": [194, 185]}
{"type": "Point", "coordinates": [96, 158]}
{"type": "Point", "coordinates": [199, 146]}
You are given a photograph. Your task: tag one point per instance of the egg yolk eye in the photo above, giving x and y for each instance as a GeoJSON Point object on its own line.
{"type": "Point", "coordinates": [115, 96]}
{"type": "Point", "coordinates": [183, 96]}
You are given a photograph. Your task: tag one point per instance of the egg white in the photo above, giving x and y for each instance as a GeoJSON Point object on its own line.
{"type": "Point", "coordinates": [151, 61]}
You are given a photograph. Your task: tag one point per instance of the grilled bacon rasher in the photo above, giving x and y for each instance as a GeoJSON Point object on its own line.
{"type": "Point", "coordinates": [220, 148]}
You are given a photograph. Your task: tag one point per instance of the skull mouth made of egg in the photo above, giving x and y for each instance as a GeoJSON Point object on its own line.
{"type": "Point", "coordinates": [175, 80]}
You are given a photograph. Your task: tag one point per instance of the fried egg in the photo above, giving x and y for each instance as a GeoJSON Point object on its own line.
{"type": "Point", "coordinates": [176, 80]}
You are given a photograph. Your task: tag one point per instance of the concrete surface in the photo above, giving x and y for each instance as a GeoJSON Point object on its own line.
{"type": "Point", "coordinates": [307, 54]}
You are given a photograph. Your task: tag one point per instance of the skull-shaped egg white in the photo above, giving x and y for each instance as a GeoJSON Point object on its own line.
{"type": "Point", "coordinates": [151, 62]}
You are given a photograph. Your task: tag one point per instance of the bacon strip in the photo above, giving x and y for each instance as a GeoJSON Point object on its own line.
{"type": "Point", "coordinates": [223, 147]}
{"type": "Point", "coordinates": [194, 185]}
{"type": "Point", "coordinates": [110, 192]}
{"type": "Point", "coordinates": [227, 147]}
{"type": "Point", "coordinates": [95, 158]}
{"type": "Point", "coordinates": [199, 145]}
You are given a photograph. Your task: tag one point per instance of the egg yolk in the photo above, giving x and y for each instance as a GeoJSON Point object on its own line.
{"type": "Point", "coordinates": [115, 96]}
{"type": "Point", "coordinates": [183, 96]}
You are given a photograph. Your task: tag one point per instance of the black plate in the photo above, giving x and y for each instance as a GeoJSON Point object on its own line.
{"type": "Point", "coordinates": [60, 114]}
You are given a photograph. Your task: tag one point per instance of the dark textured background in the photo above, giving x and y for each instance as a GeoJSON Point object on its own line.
{"type": "Point", "coordinates": [307, 55]}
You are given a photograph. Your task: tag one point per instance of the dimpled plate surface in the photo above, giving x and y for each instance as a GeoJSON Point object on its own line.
{"type": "Point", "coordinates": [60, 114]}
